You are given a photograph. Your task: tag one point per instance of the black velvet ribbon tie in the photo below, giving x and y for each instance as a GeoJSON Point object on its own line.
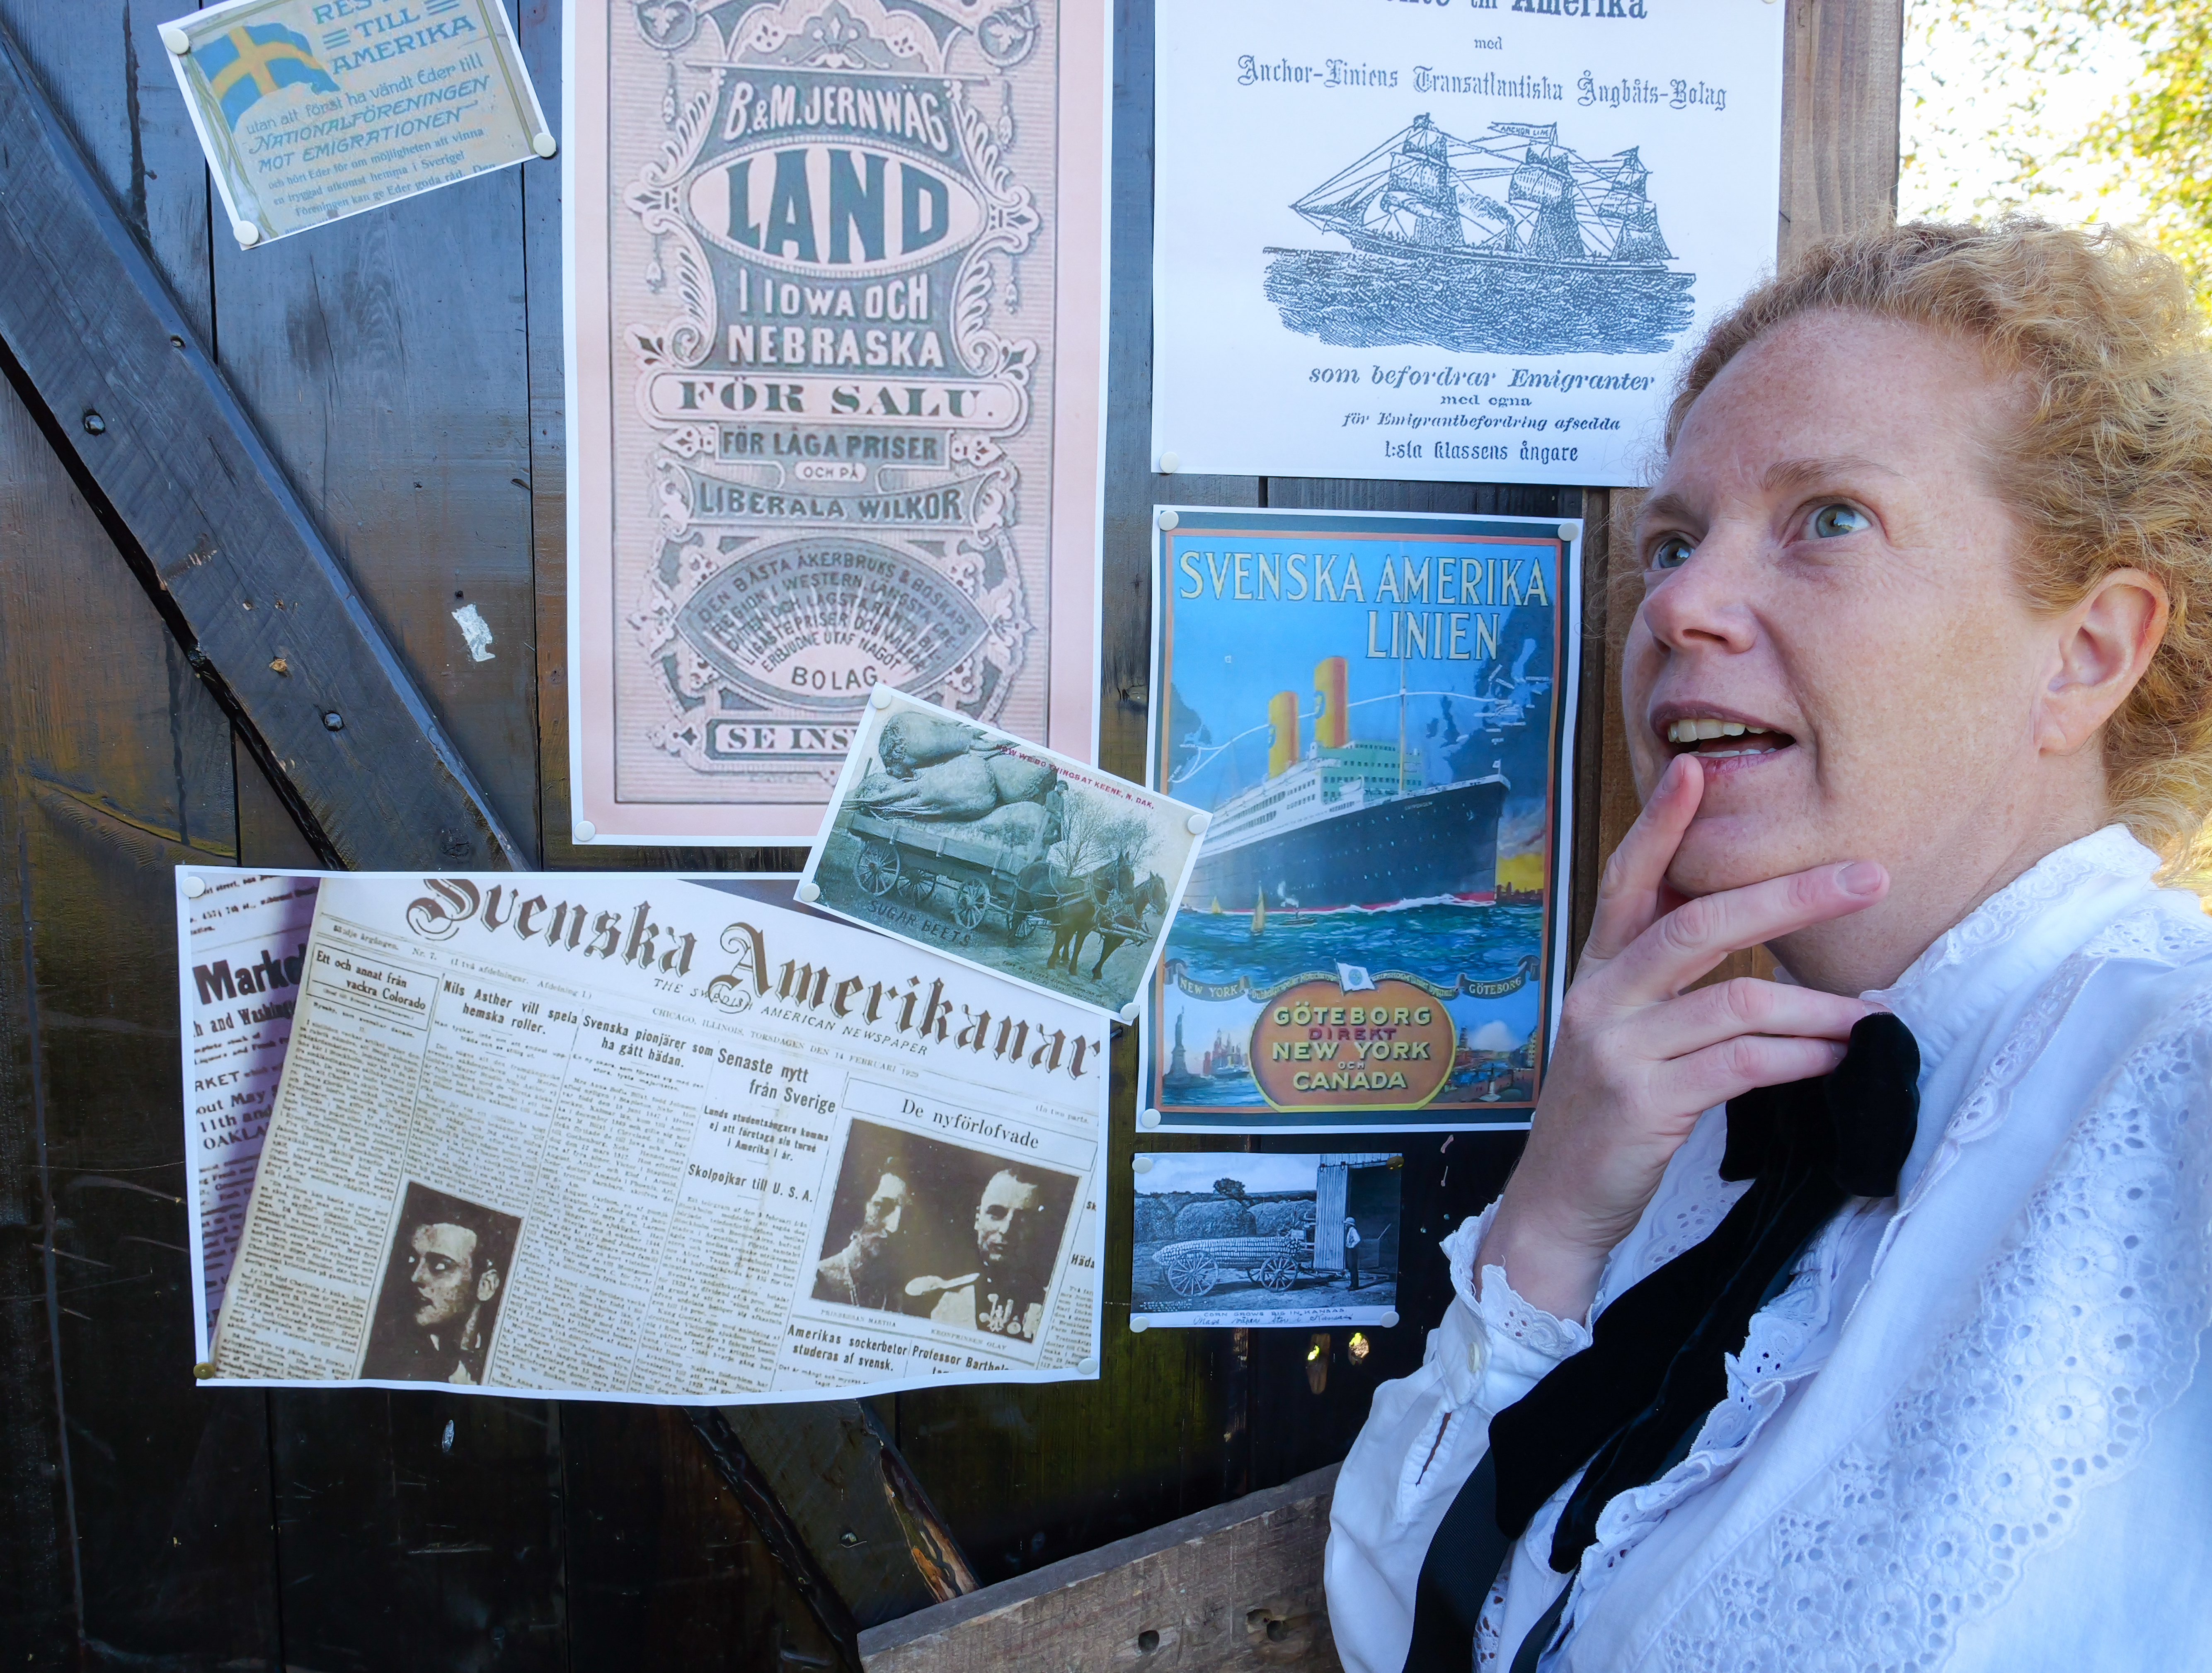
{"type": "Point", "coordinates": [1629, 1406]}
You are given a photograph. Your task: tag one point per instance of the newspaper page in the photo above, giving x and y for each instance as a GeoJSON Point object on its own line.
{"type": "Point", "coordinates": [242, 942]}
{"type": "Point", "coordinates": [632, 1137]}
{"type": "Point", "coordinates": [837, 400]}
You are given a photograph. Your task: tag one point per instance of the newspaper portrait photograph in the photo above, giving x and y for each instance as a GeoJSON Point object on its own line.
{"type": "Point", "coordinates": [634, 1137]}
{"type": "Point", "coordinates": [836, 392]}
{"type": "Point", "coordinates": [438, 1306]}
{"type": "Point", "coordinates": [1001, 855]}
{"type": "Point", "coordinates": [1378, 711]}
{"type": "Point", "coordinates": [928, 1229]}
{"type": "Point", "coordinates": [1236, 1237]}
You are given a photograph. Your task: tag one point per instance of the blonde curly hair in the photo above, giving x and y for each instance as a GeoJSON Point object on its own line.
{"type": "Point", "coordinates": [2110, 466]}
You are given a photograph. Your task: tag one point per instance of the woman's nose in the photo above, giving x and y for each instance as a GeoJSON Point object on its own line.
{"type": "Point", "coordinates": [1706, 602]}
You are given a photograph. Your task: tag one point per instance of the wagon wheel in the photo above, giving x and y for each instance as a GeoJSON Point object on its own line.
{"type": "Point", "coordinates": [1277, 1272]}
{"type": "Point", "coordinates": [970, 903]}
{"type": "Point", "coordinates": [919, 886]}
{"type": "Point", "coordinates": [1192, 1275]}
{"type": "Point", "coordinates": [877, 869]}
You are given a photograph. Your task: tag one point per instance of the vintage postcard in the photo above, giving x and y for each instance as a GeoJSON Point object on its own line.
{"type": "Point", "coordinates": [1235, 1238]}
{"type": "Point", "coordinates": [1377, 710]}
{"type": "Point", "coordinates": [837, 409]}
{"type": "Point", "coordinates": [1001, 855]}
{"type": "Point", "coordinates": [1462, 245]}
{"type": "Point", "coordinates": [312, 110]}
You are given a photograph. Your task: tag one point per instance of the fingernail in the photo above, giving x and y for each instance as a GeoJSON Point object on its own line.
{"type": "Point", "coordinates": [1861, 877]}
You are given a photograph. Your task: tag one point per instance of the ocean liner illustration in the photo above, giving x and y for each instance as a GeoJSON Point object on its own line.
{"type": "Point", "coordinates": [1510, 242]}
{"type": "Point", "coordinates": [1348, 823]}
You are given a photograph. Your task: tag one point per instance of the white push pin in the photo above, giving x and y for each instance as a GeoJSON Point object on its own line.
{"type": "Point", "coordinates": [1390, 1321]}
{"type": "Point", "coordinates": [880, 697]}
{"type": "Point", "coordinates": [247, 233]}
{"type": "Point", "coordinates": [1087, 1368]}
{"type": "Point", "coordinates": [1198, 823]}
{"type": "Point", "coordinates": [174, 37]}
{"type": "Point", "coordinates": [585, 831]}
{"type": "Point", "coordinates": [1129, 1013]}
{"type": "Point", "coordinates": [195, 887]}
{"type": "Point", "coordinates": [808, 891]}
{"type": "Point", "coordinates": [1136, 1321]}
{"type": "Point", "coordinates": [1140, 1164]}
{"type": "Point", "coordinates": [1571, 531]}
{"type": "Point", "coordinates": [1170, 463]}
{"type": "Point", "coordinates": [544, 144]}
{"type": "Point", "coordinates": [1149, 1118]}
{"type": "Point", "coordinates": [1166, 518]}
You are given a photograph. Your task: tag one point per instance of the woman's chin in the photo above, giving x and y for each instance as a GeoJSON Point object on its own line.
{"type": "Point", "coordinates": [1718, 853]}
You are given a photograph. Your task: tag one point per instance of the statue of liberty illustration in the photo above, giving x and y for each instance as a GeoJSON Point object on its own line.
{"type": "Point", "coordinates": [1513, 243]}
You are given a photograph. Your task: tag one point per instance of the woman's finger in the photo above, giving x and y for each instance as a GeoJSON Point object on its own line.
{"type": "Point", "coordinates": [1695, 936]}
{"type": "Point", "coordinates": [1629, 894]}
{"type": "Point", "coordinates": [1719, 1073]}
{"type": "Point", "coordinates": [1707, 1016]}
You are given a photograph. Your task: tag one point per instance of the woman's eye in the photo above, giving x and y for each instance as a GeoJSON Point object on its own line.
{"type": "Point", "coordinates": [1830, 521]}
{"type": "Point", "coordinates": [1671, 553]}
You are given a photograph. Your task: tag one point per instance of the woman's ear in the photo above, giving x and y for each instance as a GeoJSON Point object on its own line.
{"type": "Point", "coordinates": [2105, 641]}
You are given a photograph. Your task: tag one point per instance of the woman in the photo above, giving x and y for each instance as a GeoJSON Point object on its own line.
{"type": "Point", "coordinates": [1919, 692]}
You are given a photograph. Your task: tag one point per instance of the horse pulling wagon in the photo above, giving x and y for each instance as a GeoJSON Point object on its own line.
{"type": "Point", "coordinates": [1193, 1268]}
{"type": "Point", "coordinates": [976, 875]}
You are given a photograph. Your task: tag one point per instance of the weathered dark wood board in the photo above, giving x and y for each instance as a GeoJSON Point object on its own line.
{"type": "Point", "coordinates": [1230, 1590]}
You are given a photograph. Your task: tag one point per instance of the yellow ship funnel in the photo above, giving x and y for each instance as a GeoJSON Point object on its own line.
{"type": "Point", "coordinates": [1331, 731]}
{"type": "Point", "coordinates": [1283, 716]}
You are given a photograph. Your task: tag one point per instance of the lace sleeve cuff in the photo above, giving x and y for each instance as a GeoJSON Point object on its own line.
{"type": "Point", "coordinates": [1508, 1342]}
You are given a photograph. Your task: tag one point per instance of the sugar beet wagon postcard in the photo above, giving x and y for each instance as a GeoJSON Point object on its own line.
{"type": "Point", "coordinates": [1001, 855]}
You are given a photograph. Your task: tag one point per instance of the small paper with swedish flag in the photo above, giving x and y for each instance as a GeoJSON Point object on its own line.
{"type": "Point", "coordinates": [312, 110]}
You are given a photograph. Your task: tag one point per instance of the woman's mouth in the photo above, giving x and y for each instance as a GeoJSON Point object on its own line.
{"type": "Point", "coordinates": [1712, 737]}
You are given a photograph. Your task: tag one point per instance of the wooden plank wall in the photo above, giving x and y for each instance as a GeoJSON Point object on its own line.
{"type": "Point", "coordinates": [407, 367]}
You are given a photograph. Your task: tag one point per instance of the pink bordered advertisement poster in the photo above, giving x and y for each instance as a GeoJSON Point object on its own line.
{"type": "Point", "coordinates": [835, 289]}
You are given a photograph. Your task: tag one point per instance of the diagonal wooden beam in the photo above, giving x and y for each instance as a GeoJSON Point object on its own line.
{"type": "Point", "coordinates": [171, 463]}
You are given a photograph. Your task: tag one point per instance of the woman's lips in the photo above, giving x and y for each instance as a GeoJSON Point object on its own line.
{"type": "Point", "coordinates": [1718, 740]}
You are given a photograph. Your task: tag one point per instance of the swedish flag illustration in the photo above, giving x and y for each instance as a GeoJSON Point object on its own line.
{"type": "Point", "coordinates": [243, 63]}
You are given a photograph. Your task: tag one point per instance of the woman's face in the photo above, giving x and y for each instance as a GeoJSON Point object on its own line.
{"type": "Point", "coordinates": [1827, 567]}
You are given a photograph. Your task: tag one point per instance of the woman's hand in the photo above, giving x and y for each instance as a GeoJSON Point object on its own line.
{"type": "Point", "coordinates": [1638, 1060]}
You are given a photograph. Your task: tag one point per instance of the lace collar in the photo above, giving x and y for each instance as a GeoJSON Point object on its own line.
{"type": "Point", "coordinates": [1972, 975]}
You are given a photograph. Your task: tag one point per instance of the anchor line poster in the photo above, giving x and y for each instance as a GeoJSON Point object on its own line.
{"type": "Point", "coordinates": [1466, 239]}
{"type": "Point", "coordinates": [837, 371]}
{"type": "Point", "coordinates": [1377, 709]}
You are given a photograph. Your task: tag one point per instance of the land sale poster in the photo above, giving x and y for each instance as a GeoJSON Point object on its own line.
{"type": "Point", "coordinates": [836, 362]}
{"type": "Point", "coordinates": [1451, 240]}
{"type": "Point", "coordinates": [1377, 710]}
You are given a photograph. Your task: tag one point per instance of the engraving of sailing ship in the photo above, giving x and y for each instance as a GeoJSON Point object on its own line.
{"type": "Point", "coordinates": [1510, 244]}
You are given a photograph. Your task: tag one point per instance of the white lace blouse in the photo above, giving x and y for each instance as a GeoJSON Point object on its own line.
{"type": "Point", "coordinates": [1966, 1435]}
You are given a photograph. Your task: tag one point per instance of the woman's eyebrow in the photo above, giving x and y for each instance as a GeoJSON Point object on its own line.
{"type": "Point", "coordinates": [1807, 472]}
{"type": "Point", "coordinates": [1667, 506]}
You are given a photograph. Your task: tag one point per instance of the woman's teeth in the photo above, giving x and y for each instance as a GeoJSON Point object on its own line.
{"type": "Point", "coordinates": [1701, 729]}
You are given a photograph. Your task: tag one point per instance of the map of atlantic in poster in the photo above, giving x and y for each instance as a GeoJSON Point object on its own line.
{"type": "Point", "coordinates": [1377, 711]}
